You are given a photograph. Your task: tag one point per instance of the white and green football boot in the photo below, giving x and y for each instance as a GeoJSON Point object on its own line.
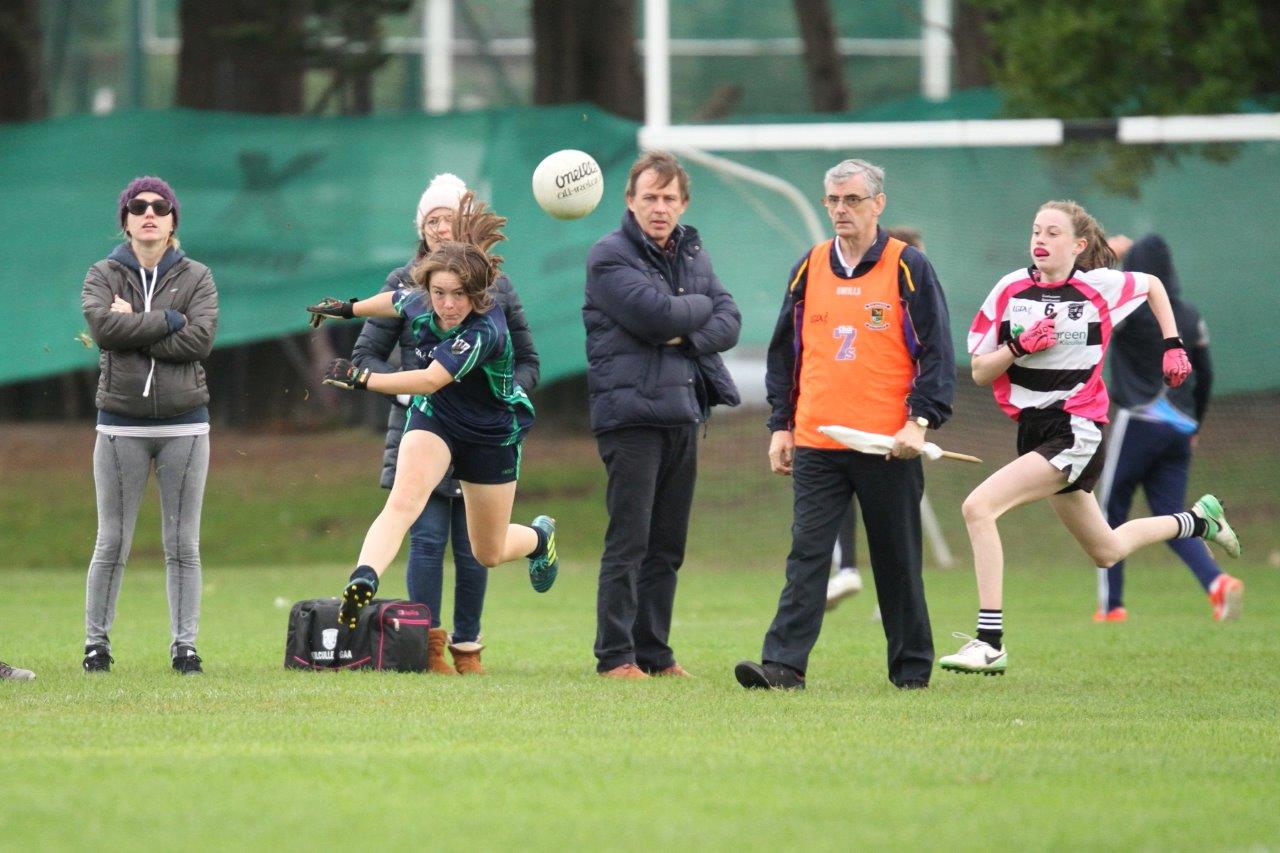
{"type": "Point", "coordinates": [1210, 509]}
{"type": "Point", "coordinates": [976, 656]}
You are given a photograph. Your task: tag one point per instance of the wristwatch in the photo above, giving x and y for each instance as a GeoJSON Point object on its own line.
{"type": "Point", "coordinates": [921, 422]}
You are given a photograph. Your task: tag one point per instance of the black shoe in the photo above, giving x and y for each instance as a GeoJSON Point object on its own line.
{"type": "Point", "coordinates": [186, 661]}
{"type": "Point", "coordinates": [776, 676]}
{"type": "Point", "coordinates": [97, 659]}
{"type": "Point", "coordinates": [913, 685]}
{"type": "Point", "coordinates": [355, 595]}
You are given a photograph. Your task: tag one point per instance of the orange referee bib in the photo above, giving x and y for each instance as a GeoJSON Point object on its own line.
{"type": "Point", "coordinates": [855, 370]}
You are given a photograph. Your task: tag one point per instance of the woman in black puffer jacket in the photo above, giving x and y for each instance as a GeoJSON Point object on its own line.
{"type": "Point", "coordinates": [153, 313]}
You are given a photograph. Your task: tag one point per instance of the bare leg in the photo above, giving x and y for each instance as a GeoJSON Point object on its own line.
{"type": "Point", "coordinates": [1026, 479]}
{"type": "Point", "coordinates": [422, 462]}
{"type": "Point", "coordinates": [1106, 546]}
{"type": "Point", "coordinates": [494, 539]}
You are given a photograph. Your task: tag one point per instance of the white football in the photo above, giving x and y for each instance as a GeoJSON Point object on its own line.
{"type": "Point", "coordinates": [568, 184]}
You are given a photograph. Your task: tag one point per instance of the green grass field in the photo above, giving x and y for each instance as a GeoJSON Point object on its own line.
{"type": "Point", "coordinates": [1161, 733]}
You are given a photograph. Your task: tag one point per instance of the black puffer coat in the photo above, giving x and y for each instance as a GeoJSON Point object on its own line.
{"type": "Point", "coordinates": [381, 335]}
{"type": "Point", "coordinates": [638, 298]}
{"type": "Point", "coordinates": [174, 336]}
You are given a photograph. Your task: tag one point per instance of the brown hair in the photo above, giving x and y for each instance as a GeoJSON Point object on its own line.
{"type": "Point", "coordinates": [467, 257]}
{"type": "Point", "coordinates": [665, 165]}
{"type": "Point", "coordinates": [1096, 252]}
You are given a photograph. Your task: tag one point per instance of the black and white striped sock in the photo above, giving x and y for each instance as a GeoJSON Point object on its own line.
{"type": "Point", "coordinates": [1190, 525]}
{"type": "Point", "coordinates": [991, 627]}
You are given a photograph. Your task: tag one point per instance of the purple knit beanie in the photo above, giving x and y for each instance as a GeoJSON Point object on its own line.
{"type": "Point", "coordinates": [148, 184]}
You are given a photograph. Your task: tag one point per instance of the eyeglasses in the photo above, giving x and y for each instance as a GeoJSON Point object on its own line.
{"type": "Point", "coordinates": [846, 200]}
{"type": "Point", "coordinates": [138, 206]}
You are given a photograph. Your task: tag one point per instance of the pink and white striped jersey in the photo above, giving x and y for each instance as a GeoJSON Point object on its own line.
{"type": "Point", "coordinates": [1067, 375]}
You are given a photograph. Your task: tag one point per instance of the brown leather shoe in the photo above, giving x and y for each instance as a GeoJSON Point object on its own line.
{"type": "Point", "coordinates": [627, 671]}
{"type": "Point", "coordinates": [466, 658]}
{"type": "Point", "coordinates": [437, 639]}
{"type": "Point", "coordinates": [673, 671]}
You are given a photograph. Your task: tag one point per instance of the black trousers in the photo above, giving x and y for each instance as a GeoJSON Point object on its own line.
{"type": "Point", "coordinates": [651, 478]}
{"type": "Point", "coordinates": [889, 493]}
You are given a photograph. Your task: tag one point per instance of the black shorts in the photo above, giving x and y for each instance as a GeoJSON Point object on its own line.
{"type": "Point", "coordinates": [1071, 443]}
{"type": "Point", "coordinates": [484, 464]}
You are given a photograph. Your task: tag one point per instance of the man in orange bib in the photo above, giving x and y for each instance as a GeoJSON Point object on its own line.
{"type": "Point", "coordinates": [863, 341]}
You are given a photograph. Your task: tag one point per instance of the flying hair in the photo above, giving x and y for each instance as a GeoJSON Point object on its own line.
{"type": "Point", "coordinates": [1097, 253]}
{"type": "Point", "coordinates": [477, 230]}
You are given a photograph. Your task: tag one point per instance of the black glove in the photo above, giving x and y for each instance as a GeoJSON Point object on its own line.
{"type": "Point", "coordinates": [346, 375]}
{"type": "Point", "coordinates": [330, 307]}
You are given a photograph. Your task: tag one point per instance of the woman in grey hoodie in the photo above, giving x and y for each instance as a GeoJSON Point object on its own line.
{"type": "Point", "coordinates": [153, 313]}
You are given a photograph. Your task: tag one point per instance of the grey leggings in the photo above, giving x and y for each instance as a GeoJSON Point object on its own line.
{"type": "Point", "coordinates": [121, 467]}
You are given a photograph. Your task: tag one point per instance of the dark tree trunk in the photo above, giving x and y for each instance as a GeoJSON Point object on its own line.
{"type": "Point", "coordinates": [972, 47]}
{"type": "Point", "coordinates": [241, 55]}
{"type": "Point", "coordinates": [22, 97]}
{"type": "Point", "coordinates": [822, 63]}
{"type": "Point", "coordinates": [584, 50]}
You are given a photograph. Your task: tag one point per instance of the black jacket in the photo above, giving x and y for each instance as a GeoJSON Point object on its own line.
{"type": "Point", "coordinates": [177, 333]}
{"type": "Point", "coordinates": [381, 335]}
{"type": "Point", "coordinates": [1137, 347]}
{"type": "Point", "coordinates": [638, 297]}
{"type": "Point", "coordinates": [928, 337]}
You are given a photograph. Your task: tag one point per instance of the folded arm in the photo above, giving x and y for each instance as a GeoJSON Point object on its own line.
{"type": "Point", "coordinates": [632, 300]}
{"type": "Point", "coordinates": [194, 341]}
{"type": "Point", "coordinates": [117, 330]}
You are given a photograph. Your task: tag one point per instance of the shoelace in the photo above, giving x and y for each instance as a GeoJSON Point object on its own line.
{"type": "Point", "coordinates": [972, 641]}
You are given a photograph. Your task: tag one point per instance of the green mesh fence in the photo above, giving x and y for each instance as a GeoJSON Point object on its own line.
{"type": "Point", "coordinates": [286, 210]}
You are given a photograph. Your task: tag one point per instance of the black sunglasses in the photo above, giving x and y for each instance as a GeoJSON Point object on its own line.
{"type": "Point", "coordinates": [138, 206]}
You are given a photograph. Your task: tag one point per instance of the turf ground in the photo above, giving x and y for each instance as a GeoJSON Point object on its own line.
{"type": "Point", "coordinates": [1161, 733]}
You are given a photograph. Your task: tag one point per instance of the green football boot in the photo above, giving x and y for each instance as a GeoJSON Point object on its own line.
{"type": "Point", "coordinates": [543, 569]}
{"type": "Point", "coordinates": [1210, 509]}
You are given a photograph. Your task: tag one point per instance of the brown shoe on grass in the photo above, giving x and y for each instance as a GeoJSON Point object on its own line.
{"type": "Point", "coordinates": [466, 658]}
{"type": "Point", "coordinates": [673, 671]}
{"type": "Point", "coordinates": [626, 672]}
{"type": "Point", "coordinates": [437, 639]}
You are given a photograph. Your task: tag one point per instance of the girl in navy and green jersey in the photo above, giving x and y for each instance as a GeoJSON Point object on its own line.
{"type": "Point", "coordinates": [467, 410]}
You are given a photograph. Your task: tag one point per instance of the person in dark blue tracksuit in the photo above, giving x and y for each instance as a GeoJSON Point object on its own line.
{"type": "Point", "coordinates": [1155, 430]}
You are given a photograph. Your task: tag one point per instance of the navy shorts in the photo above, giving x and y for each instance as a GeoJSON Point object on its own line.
{"type": "Point", "coordinates": [1071, 444]}
{"type": "Point", "coordinates": [484, 464]}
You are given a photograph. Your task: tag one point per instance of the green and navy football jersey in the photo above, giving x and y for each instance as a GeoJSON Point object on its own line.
{"type": "Point", "coordinates": [483, 404]}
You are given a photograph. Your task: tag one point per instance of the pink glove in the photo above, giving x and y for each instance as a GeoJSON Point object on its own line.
{"type": "Point", "coordinates": [1176, 365]}
{"type": "Point", "coordinates": [1039, 337]}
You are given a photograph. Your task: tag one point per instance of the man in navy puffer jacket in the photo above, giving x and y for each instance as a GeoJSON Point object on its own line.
{"type": "Point", "coordinates": [657, 319]}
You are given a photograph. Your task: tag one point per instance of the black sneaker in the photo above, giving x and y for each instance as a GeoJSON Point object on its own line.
{"type": "Point", "coordinates": [775, 676]}
{"type": "Point", "coordinates": [97, 658]}
{"type": "Point", "coordinates": [186, 661]}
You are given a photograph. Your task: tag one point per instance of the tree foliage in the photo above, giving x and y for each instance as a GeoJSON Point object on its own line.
{"type": "Point", "coordinates": [1103, 59]}
{"type": "Point", "coordinates": [249, 56]}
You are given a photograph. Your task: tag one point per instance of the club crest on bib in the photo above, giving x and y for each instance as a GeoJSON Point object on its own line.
{"type": "Point", "coordinates": [329, 637]}
{"type": "Point", "coordinates": [878, 322]}
{"type": "Point", "coordinates": [1075, 310]}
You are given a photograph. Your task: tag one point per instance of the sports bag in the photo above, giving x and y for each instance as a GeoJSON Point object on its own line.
{"type": "Point", "coordinates": [390, 635]}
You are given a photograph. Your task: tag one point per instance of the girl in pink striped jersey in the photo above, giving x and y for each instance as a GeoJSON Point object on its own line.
{"type": "Point", "coordinates": [1039, 340]}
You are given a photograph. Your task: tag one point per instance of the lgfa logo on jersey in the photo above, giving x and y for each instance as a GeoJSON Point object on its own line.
{"type": "Point", "coordinates": [459, 346]}
{"type": "Point", "coordinates": [878, 322]}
